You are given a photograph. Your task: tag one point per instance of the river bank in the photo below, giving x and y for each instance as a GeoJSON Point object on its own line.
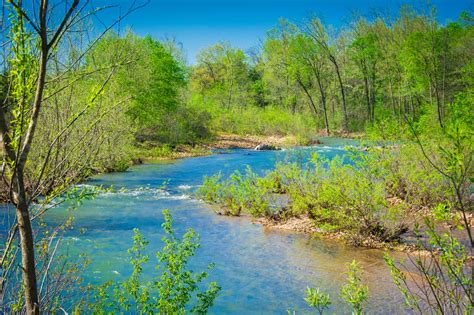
{"type": "Point", "coordinates": [224, 141]}
{"type": "Point", "coordinates": [406, 244]}
{"type": "Point", "coordinates": [307, 226]}
{"type": "Point", "coordinates": [149, 153]}
{"type": "Point", "coordinates": [234, 141]}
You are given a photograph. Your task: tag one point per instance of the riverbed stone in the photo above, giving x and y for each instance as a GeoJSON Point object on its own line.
{"type": "Point", "coordinates": [266, 147]}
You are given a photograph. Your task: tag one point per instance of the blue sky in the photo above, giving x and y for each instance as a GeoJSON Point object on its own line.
{"type": "Point", "coordinates": [200, 23]}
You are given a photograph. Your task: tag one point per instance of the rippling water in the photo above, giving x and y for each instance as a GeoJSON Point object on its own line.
{"type": "Point", "coordinates": [260, 271]}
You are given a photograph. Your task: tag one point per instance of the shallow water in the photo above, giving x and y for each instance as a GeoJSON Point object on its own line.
{"type": "Point", "coordinates": [261, 271]}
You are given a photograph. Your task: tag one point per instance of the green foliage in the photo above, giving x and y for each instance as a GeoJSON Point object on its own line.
{"type": "Point", "coordinates": [366, 195]}
{"type": "Point", "coordinates": [241, 192]}
{"type": "Point", "coordinates": [155, 151]}
{"type": "Point", "coordinates": [23, 67]}
{"type": "Point", "coordinates": [409, 177]}
{"type": "Point", "coordinates": [443, 271]}
{"type": "Point", "coordinates": [408, 80]}
{"type": "Point", "coordinates": [355, 292]}
{"type": "Point", "coordinates": [372, 76]}
{"type": "Point", "coordinates": [153, 80]}
{"type": "Point", "coordinates": [317, 299]}
{"type": "Point", "coordinates": [171, 292]}
{"type": "Point", "coordinates": [338, 196]}
{"type": "Point", "coordinates": [254, 120]}
{"type": "Point", "coordinates": [210, 189]}
{"type": "Point", "coordinates": [222, 74]}
{"type": "Point", "coordinates": [347, 198]}
{"type": "Point", "coordinates": [235, 94]}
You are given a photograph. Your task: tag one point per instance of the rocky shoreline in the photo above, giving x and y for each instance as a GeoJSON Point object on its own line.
{"type": "Point", "coordinates": [233, 141]}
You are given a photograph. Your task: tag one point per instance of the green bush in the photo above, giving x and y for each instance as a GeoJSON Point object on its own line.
{"type": "Point", "coordinates": [408, 176]}
{"type": "Point", "coordinates": [354, 292]}
{"type": "Point", "coordinates": [367, 198]}
{"type": "Point", "coordinates": [338, 196]}
{"type": "Point", "coordinates": [241, 192]}
{"type": "Point", "coordinates": [171, 292]}
{"type": "Point", "coordinates": [318, 300]}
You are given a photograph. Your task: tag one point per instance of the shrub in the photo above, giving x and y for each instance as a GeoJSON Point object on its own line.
{"type": "Point", "coordinates": [317, 299]}
{"type": "Point", "coordinates": [337, 196]}
{"type": "Point", "coordinates": [354, 292]}
{"type": "Point", "coordinates": [239, 192]}
{"type": "Point", "coordinates": [340, 196]}
{"type": "Point", "coordinates": [443, 281]}
{"type": "Point", "coordinates": [254, 120]}
{"type": "Point", "coordinates": [171, 292]}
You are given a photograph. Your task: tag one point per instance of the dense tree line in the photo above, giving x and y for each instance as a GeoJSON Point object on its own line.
{"type": "Point", "coordinates": [371, 71]}
{"type": "Point", "coordinates": [303, 79]}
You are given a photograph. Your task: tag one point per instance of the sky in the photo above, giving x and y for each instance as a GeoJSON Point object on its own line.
{"type": "Point", "coordinates": [198, 24]}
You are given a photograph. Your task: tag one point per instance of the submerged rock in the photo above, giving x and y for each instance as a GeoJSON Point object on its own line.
{"type": "Point", "coordinates": [314, 142]}
{"type": "Point", "coordinates": [266, 147]}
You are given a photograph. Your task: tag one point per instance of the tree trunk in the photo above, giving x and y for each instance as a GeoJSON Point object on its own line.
{"type": "Point", "coordinates": [392, 100]}
{"type": "Point", "coordinates": [19, 157]}
{"type": "Point", "coordinates": [367, 97]}
{"type": "Point", "coordinates": [311, 101]}
{"type": "Point", "coordinates": [293, 106]}
{"type": "Point", "coordinates": [373, 91]}
{"type": "Point", "coordinates": [323, 102]}
{"type": "Point", "coordinates": [20, 198]}
{"type": "Point", "coordinates": [343, 93]}
{"type": "Point", "coordinates": [27, 246]}
{"type": "Point", "coordinates": [443, 84]}
{"type": "Point", "coordinates": [438, 105]}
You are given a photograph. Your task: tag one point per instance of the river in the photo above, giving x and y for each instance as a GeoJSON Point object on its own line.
{"type": "Point", "coordinates": [261, 271]}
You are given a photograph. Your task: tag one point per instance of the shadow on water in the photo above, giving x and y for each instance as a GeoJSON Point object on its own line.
{"type": "Point", "coordinates": [261, 271]}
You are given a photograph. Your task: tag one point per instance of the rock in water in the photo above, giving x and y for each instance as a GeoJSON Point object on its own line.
{"type": "Point", "coordinates": [266, 147]}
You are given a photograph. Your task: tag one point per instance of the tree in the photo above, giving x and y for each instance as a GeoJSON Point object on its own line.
{"type": "Point", "coordinates": [36, 35]}
{"type": "Point", "coordinates": [310, 67]}
{"type": "Point", "coordinates": [153, 81]}
{"type": "Point", "coordinates": [281, 90]}
{"type": "Point", "coordinates": [222, 72]}
{"type": "Point", "coordinates": [365, 54]}
{"type": "Point", "coordinates": [445, 281]}
{"type": "Point", "coordinates": [27, 105]}
{"type": "Point", "coordinates": [318, 33]}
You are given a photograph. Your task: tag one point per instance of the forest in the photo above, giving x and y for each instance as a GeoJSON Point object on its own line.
{"type": "Point", "coordinates": [83, 105]}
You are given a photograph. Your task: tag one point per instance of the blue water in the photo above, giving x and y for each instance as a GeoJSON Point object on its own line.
{"type": "Point", "coordinates": [260, 270]}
